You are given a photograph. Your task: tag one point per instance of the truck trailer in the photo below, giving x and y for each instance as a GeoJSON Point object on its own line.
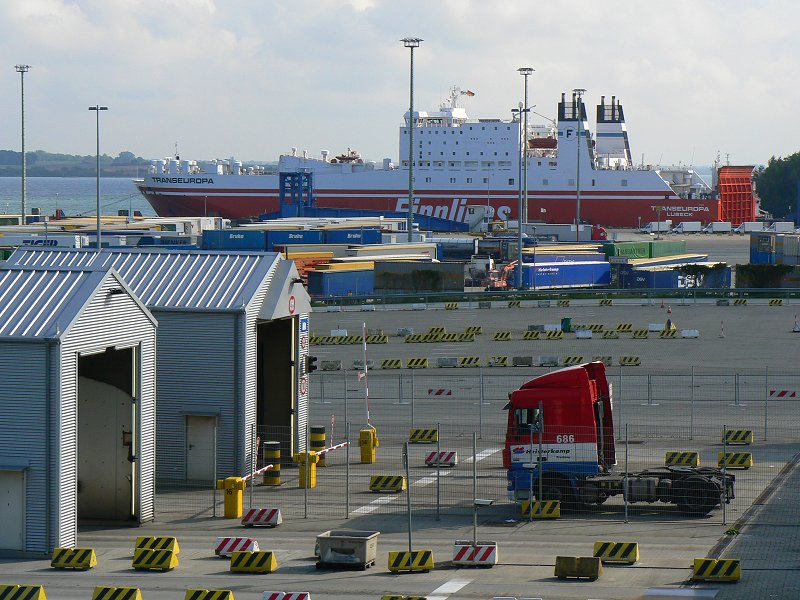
{"type": "Point", "coordinates": [560, 446]}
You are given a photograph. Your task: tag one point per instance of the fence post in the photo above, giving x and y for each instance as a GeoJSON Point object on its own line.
{"type": "Point", "coordinates": [412, 399]}
{"type": "Point", "coordinates": [480, 407]}
{"type": "Point", "coordinates": [214, 512]}
{"type": "Point", "coordinates": [308, 479]}
{"type": "Point", "coordinates": [766, 400]}
{"type": "Point", "coordinates": [347, 473]}
{"type": "Point", "coordinates": [619, 416]}
{"type": "Point", "coordinates": [438, 465]}
{"type": "Point", "coordinates": [691, 407]}
{"type": "Point", "coordinates": [724, 471]}
{"type": "Point", "coordinates": [252, 460]}
{"type": "Point", "coordinates": [625, 482]}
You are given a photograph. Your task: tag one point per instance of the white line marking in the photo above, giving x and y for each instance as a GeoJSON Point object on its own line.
{"type": "Point", "coordinates": [368, 508]}
{"type": "Point", "coordinates": [483, 454]}
{"type": "Point", "coordinates": [450, 587]}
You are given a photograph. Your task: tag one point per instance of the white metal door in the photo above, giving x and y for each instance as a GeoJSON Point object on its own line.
{"type": "Point", "coordinates": [12, 510]}
{"type": "Point", "coordinates": [200, 448]}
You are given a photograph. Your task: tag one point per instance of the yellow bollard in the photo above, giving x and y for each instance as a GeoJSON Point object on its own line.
{"type": "Point", "coordinates": [318, 442]}
{"type": "Point", "coordinates": [368, 441]}
{"type": "Point", "coordinates": [272, 456]}
{"type": "Point", "coordinates": [233, 487]}
{"type": "Point", "coordinates": [307, 479]}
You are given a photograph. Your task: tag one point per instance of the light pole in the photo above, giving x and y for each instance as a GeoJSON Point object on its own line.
{"type": "Point", "coordinates": [534, 257]}
{"type": "Point", "coordinates": [520, 205]}
{"type": "Point", "coordinates": [525, 71]}
{"type": "Point", "coordinates": [578, 93]}
{"type": "Point", "coordinates": [22, 69]}
{"type": "Point", "coordinates": [411, 43]}
{"type": "Point", "coordinates": [97, 108]}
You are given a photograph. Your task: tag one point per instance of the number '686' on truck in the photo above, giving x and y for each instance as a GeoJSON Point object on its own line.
{"type": "Point", "coordinates": [560, 446]}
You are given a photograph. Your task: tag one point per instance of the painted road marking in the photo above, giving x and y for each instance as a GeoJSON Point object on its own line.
{"type": "Point", "coordinates": [368, 508]}
{"type": "Point", "coordinates": [446, 589]}
{"type": "Point", "coordinates": [483, 454]}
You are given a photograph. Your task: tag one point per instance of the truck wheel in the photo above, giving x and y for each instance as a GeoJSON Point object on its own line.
{"type": "Point", "coordinates": [557, 488]}
{"type": "Point", "coordinates": [695, 497]}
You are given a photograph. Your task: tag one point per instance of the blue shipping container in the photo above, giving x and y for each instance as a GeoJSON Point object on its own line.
{"type": "Point", "coordinates": [674, 279]}
{"type": "Point", "coordinates": [300, 236]}
{"type": "Point", "coordinates": [234, 239]}
{"type": "Point", "coordinates": [341, 283]}
{"type": "Point", "coordinates": [758, 257]}
{"type": "Point", "coordinates": [353, 236]}
{"type": "Point", "coordinates": [564, 275]}
{"type": "Point", "coordinates": [549, 258]}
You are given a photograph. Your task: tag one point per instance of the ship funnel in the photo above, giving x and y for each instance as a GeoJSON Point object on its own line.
{"type": "Point", "coordinates": [305, 153]}
{"type": "Point", "coordinates": [324, 155]}
{"type": "Point", "coordinates": [294, 151]}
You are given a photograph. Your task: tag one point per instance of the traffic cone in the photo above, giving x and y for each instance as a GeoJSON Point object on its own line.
{"type": "Point", "coordinates": [669, 310]}
{"type": "Point", "coordinates": [796, 328]}
{"type": "Point", "coordinates": [662, 304]}
{"type": "Point", "coordinates": [722, 329]}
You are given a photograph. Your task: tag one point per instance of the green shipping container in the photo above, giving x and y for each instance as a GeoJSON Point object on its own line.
{"type": "Point", "coordinates": [629, 249]}
{"type": "Point", "coordinates": [667, 248]}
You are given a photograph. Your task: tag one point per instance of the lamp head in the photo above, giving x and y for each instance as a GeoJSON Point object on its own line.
{"type": "Point", "coordinates": [411, 42]}
{"type": "Point", "coordinates": [525, 71]}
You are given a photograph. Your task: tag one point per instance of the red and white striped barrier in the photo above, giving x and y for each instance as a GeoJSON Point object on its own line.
{"type": "Point", "coordinates": [782, 394]}
{"type": "Point", "coordinates": [336, 447]}
{"type": "Point", "coordinates": [265, 517]}
{"type": "Point", "coordinates": [228, 545]}
{"type": "Point", "coordinates": [442, 459]}
{"type": "Point", "coordinates": [285, 596]}
{"type": "Point", "coordinates": [440, 392]}
{"type": "Point", "coordinates": [272, 596]}
{"type": "Point", "coordinates": [482, 555]}
{"type": "Point", "coordinates": [259, 472]}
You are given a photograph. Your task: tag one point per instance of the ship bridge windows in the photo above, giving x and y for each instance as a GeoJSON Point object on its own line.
{"type": "Point", "coordinates": [454, 164]}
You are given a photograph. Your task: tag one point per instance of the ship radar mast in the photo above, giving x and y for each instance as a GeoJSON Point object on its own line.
{"type": "Point", "coordinates": [456, 93]}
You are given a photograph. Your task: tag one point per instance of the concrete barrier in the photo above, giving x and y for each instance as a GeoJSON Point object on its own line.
{"type": "Point", "coordinates": [584, 334]}
{"type": "Point", "coordinates": [367, 308]}
{"type": "Point", "coordinates": [484, 304]}
{"type": "Point", "coordinates": [655, 327]}
{"type": "Point", "coordinates": [404, 331]}
{"type": "Point", "coordinates": [690, 334]}
{"type": "Point", "coordinates": [331, 365]}
{"type": "Point", "coordinates": [522, 361]}
{"type": "Point", "coordinates": [419, 306]}
{"type": "Point", "coordinates": [548, 361]}
{"type": "Point", "coordinates": [447, 362]}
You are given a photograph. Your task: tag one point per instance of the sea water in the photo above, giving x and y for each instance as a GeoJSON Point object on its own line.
{"type": "Point", "coordinates": [76, 196]}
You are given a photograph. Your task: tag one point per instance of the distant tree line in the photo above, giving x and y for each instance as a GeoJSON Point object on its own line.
{"type": "Point", "coordinates": [776, 184]}
{"type": "Point", "coordinates": [46, 164]}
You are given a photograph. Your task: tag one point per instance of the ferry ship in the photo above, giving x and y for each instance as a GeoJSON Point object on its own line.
{"type": "Point", "coordinates": [458, 162]}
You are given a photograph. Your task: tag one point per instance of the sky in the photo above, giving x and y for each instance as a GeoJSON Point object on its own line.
{"type": "Point", "coordinates": [254, 78]}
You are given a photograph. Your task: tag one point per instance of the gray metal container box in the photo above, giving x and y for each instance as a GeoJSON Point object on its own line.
{"type": "Point", "coordinates": [348, 548]}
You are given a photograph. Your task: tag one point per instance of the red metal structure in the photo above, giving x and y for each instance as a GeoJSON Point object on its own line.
{"type": "Point", "coordinates": [737, 203]}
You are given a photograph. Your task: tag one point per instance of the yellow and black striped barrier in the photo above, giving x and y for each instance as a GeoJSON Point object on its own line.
{"type": "Point", "coordinates": [396, 597]}
{"type": "Point", "coordinates": [469, 361]}
{"type": "Point", "coordinates": [668, 334]}
{"type": "Point", "coordinates": [595, 327]}
{"type": "Point", "coordinates": [568, 361]}
{"type": "Point", "coordinates": [387, 483]}
{"type": "Point", "coordinates": [611, 335]}
{"type": "Point", "coordinates": [474, 329]}
{"type": "Point", "coordinates": [391, 363]}
{"type": "Point", "coordinates": [716, 569]}
{"type": "Point", "coordinates": [23, 592]}
{"type": "Point", "coordinates": [737, 436]}
{"type": "Point", "coordinates": [625, 327]}
{"type": "Point", "coordinates": [414, 338]}
{"type": "Point", "coordinates": [617, 552]}
{"type": "Point", "coordinates": [80, 559]}
{"type": "Point", "coordinates": [154, 560]}
{"type": "Point", "coordinates": [606, 302]}
{"type": "Point", "coordinates": [272, 456]}
{"type": "Point", "coordinates": [551, 509]}
{"type": "Point", "coordinates": [531, 335]}
{"type": "Point", "coordinates": [735, 460]}
{"type": "Point", "coordinates": [563, 303]}
{"type": "Point", "coordinates": [640, 334]}
{"type": "Point", "coordinates": [466, 337]}
{"type": "Point", "coordinates": [740, 302]}
{"type": "Point", "coordinates": [630, 361]}
{"type": "Point", "coordinates": [423, 436]}
{"type": "Point", "coordinates": [108, 593]}
{"type": "Point", "coordinates": [315, 340]}
{"type": "Point", "coordinates": [684, 459]}
{"type": "Point", "coordinates": [262, 561]}
{"type": "Point", "coordinates": [606, 360]}
{"type": "Point", "coordinates": [501, 336]}
{"type": "Point", "coordinates": [317, 442]}
{"type": "Point", "coordinates": [195, 594]}
{"type": "Point", "coordinates": [776, 302]}
{"type": "Point", "coordinates": [497, 361]}
{"type": "Point", "coordinates": [554, 335]}
{"type": "Point", "coordinates": [514, 304]}
{"type": "Point", "coordinates": [378, 339]}
{"type": "Point", "coordinates": [448, 337]}
{"type": "Point", "coordinates": [417, 560]}
{"type": "Point", "coordinates": [160, 542]}
{"type": "Point", "coordinates": [417, 363]}
{"type": "Point", "coordinates": [437, 330]}
{"type": "Point", "coordinates": [451, 305]}
{"type": "Point", "coordinates": [587, 567]}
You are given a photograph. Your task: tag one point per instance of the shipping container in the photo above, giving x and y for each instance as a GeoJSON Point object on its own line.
{"type": "Point", "coordinates": [672, 278]}
{"type": "Point", "coordinates": [629, 249]}
{"type": "Point", "coordinates": [411, 277]}
{"type": "Point", "coordinates": [234, 239]}
{"type": "Point", "coordinates": [428, 250]}
{"type": "Point", "coordinates": [287, 236]}
{"type": "Point", "coordinates": [565, 275]}
{"type": "Point", "coordinates": [758, 257]}
{"type": "Point", "coordinates": [529, 257]}
{"type": "Point", "coordinates": [352, 236]}
{"type": "Point", "coordinates": [667, 248]}
{"type": "Point", "coordinates": [455, 248]}
{"type": "Point", "coordinates": [341, 283]}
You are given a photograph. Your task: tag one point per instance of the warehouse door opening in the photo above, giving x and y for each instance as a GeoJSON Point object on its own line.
{"type": "Point", "coordinates": [107, 444]}
{"type": "Point", "coordinates": [276, 375]}
{"type": "Point", "coordinates": [200, 459]}
{"type": "Point", "coordinates": [12, 510]}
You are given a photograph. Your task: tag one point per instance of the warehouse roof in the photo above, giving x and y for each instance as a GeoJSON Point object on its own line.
{"type": "Point", "coordinates": [170, 279]}
{"type": "Point", "coordinates": [42, 302]}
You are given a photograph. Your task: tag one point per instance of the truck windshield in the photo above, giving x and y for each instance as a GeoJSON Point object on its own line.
{"type": "Point", "coordinates": [523, 419]}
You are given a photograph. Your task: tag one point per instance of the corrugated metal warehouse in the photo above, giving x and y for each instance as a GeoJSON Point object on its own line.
{"type": "Point", "coordinates": [232, 341]}
{"type": "Point", "coordinates": [77, 427]}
